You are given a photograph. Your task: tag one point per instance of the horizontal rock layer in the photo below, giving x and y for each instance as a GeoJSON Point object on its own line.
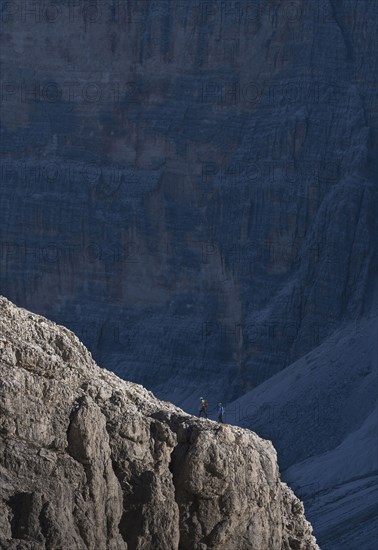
{"type": "Point", "coordinates": [190, 186]}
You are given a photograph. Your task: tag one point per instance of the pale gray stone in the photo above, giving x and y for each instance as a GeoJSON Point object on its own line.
{"type": "Point", "coordinates": [89, 461]}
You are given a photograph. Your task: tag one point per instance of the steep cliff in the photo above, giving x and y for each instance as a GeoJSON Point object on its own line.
{"type": "Point", "coordinates": [190, 185]}
{"type": "Point", "coordinates": [88, 461]}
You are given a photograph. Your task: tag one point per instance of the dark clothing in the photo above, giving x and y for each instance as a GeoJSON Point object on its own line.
{"type": "Point", "coordinates": [220, 414]}
{"type": "Point", "coordinates": [203, 408]}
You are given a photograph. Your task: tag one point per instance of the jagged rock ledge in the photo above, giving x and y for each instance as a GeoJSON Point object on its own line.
{"type": "Point", "coordinates": [88, 461]}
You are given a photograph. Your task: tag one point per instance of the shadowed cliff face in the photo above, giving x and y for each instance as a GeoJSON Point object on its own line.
{"type": "Point", "coordinates": [329, 397]}
{"type": "Point", "coordinates": [90, 461]}
{"type": "Point", "coordinates": [189, 185]}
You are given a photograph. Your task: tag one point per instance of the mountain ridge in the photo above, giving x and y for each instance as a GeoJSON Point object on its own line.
{"type": "Point", "coordinates": [91, 461]}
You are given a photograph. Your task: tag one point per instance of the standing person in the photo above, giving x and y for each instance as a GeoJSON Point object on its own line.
{"type": "Point", "coordinates": [220, 413]}
{"type": "Point", "coordinates": [203, 407]}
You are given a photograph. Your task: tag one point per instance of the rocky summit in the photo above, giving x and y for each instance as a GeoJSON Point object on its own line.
{"type": "Point", "coordinates": [89, 461]}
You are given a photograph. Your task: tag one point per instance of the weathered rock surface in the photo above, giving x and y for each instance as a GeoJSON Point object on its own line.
{"type": "Point", "coordinates": [88, 461]}
{"type": "Point", "coordinates": [190, 186]}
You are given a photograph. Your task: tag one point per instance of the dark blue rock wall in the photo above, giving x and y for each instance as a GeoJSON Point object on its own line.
{"type": "Point", "coordinates": [190, 185]}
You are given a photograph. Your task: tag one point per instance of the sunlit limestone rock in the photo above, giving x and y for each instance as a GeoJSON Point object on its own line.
{"type": "Point", "coordinates": [88, 461]}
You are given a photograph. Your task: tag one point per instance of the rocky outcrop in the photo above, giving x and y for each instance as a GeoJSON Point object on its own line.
{"type": "Point", "coordinates": [89, 461]}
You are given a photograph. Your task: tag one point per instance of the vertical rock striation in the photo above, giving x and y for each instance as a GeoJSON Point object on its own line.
{"type": "Point", "coordinates": [190, 185]}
